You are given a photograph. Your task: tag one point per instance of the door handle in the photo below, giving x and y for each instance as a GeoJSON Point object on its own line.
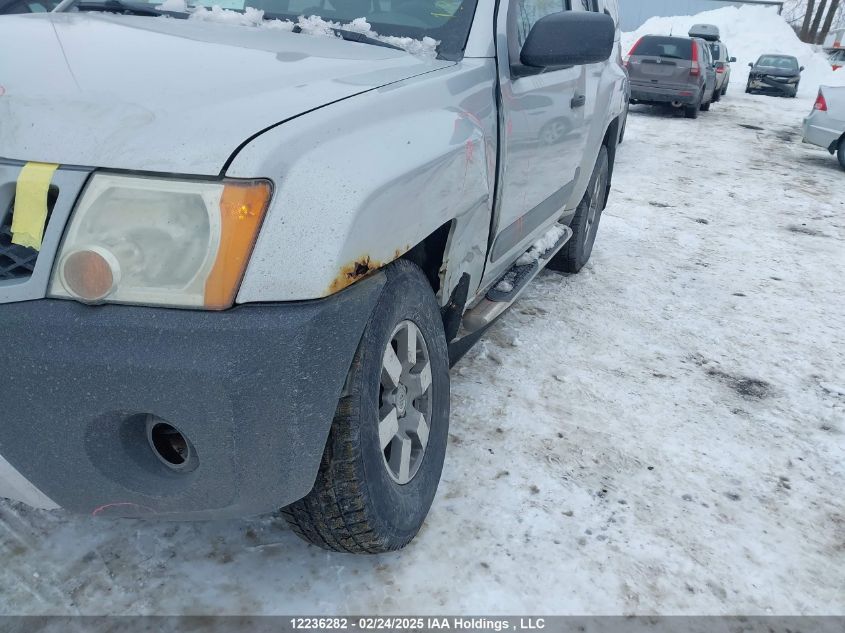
{"type": "Point", "coordinates": [578, 101]}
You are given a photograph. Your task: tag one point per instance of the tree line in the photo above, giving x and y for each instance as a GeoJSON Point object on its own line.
{"type": "Point", "coordinates": [818, 20]}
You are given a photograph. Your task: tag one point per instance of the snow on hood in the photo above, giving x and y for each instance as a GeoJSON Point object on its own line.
{"type": "Point", "coordinates": [170, 95]}
{"type": "Point", "coordinates": [749, 32]}
{"type": "Point", "coordinates": [312, 25]}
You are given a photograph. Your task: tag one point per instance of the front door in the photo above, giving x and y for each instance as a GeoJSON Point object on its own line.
{"type": "Point", "coordinates": [542, 135]}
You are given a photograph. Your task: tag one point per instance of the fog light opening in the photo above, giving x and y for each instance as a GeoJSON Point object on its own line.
{"type": "Point", "coordinates": [170, 446]}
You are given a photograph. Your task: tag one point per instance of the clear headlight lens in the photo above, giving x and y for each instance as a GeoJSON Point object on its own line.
{"type": "Point", "coordinates": [160, 242]}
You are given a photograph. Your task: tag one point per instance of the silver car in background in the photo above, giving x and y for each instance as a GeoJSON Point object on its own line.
{"type": "Point", "coordinates": [825, 126]}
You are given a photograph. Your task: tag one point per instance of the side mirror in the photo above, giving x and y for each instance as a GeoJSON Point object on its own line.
{"type": "Point", "coordinates": [569, 38]}
{"type": "Point", "coordinates": [750, 65]}
{"type": "Point", "coordinates": [801, 69]}
{"type": "Point", "coordinates": [732, 60]}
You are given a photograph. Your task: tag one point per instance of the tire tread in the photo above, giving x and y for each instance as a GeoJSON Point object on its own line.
{"type": "Point", "coordinates": [336, 515]}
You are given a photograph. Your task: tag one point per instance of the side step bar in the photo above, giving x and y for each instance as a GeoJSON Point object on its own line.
{"type": "Point", "coordinates": [507, 289]}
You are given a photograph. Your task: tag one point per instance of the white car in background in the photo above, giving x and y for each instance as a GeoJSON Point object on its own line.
{"type": "Point", "coordinates": [825, 126]}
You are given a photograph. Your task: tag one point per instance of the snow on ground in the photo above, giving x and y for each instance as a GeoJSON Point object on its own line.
{"type": "Point", "coordinates": [662, 433]}
{"type": "Point", "coordinates": [748, 32]}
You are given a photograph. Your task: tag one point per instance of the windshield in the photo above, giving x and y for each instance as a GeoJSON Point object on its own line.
{"type": "Point", "coordinates": [773, 61]}
{"type": "Point", "coordinates": [671, 47]}
{"type": "Point", "coordinates": [445, 21]}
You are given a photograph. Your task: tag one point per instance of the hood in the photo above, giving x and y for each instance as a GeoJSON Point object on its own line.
{"type": "Point", "coordinates": [167, 95]}
{"type": "Point", "coordinates": [775, 72]}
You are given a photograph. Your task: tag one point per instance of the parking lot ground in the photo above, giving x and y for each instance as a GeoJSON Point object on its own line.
{"type": "Point", "coordinates": [662, 433]}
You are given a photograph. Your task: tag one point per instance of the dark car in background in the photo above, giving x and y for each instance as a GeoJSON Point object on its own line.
{"type": "Point", "coordinates": [676, 71]}
{"type": "Point", "coordinates": [778, 75]}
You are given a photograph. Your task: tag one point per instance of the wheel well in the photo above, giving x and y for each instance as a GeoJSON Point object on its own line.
{"type": "Point", "coordinates": [428, 255]}
{"type": "Point", "coordinates": [611, 140]}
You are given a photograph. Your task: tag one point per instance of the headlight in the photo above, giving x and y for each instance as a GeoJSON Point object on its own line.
{"type": "Point", "coordinates": [160, 242]}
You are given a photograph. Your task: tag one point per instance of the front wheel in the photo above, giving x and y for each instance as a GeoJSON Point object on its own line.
{"type": "Point", "coordinates": [384, 455]}
{"type": "Point", "coordinates": [585, 225]}
{"type": "Point", "coordinates": [840, 153]}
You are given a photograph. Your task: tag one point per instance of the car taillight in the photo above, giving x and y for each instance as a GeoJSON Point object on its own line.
{"type": "Point", "coordinates": [695, 69]}
{"type": "Point", "coordinates": [634, 47]}
{"type": "Point", "coordinates": [720, 69]}
{"type": "Point", "coordinates": [821, 103]}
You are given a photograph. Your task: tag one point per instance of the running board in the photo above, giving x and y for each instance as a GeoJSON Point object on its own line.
{"type": "Point", "coordinates": [508, 288]}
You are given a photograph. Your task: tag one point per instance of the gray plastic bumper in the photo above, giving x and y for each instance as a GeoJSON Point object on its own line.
{"type": "Point", "coordinates": [254, 389]}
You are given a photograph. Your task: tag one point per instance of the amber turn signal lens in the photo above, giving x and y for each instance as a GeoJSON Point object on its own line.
{"type": "Point", "coordinates": [88, 275]}
{"type": "Point", "coordinates": [242, 208]}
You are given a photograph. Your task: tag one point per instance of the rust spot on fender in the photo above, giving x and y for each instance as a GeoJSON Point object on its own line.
{"type": "Point", "coordinates": [359, 269]}
{"type": "Point", "coordinates": [351, 273]}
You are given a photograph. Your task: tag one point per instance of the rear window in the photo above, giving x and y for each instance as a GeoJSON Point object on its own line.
{"type": "Point", "coordinates": [671, 47]}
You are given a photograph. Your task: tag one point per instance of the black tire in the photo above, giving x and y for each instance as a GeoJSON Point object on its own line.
{"type": "Point", "coordinates": [717, 95]}
{"type": "Point", "coordinates": [748, 89]}
{"type": "Point", "coordinates": [705, 107]}
{"type": "Point", "coordinates": [840, 153]}
{"type": "Point", "coordinates": [575, 255]}
{"type": "Point", "coordinates": [624, 127]}
{"type": "Point", "coordinates": [355, 505]}
{"type": "Point", "coordinates": [725, 88]}
{"type": "Point", "coordinates": [691, 111]}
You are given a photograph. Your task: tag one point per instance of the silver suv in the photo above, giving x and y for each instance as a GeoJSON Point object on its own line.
{"type": "Point", "coordinates": [233, 277]}
{"type": "Point", "coordinates": [723, 61]}
{"type": "Point", "coordinates": [677, 71]}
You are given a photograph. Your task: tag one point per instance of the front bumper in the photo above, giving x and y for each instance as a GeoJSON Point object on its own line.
{"type": "Point", "coordinates": [653, 94]}
{"type": "Point", "coordinates": [772, 85]}
{"type": "Point", "coordinates": [253, 388]}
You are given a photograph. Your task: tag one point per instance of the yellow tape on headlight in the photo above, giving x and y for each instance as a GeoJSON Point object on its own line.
{"type": "Point", "coordinates": [30, 213]}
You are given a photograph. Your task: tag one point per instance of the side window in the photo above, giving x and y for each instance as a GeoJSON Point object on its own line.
{"type": "Point", "coordinates": [590, 5]}
{"type": "Point", "coordinates": [529, 11]}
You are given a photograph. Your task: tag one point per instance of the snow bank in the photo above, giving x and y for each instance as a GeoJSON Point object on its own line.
{"type": "Point", "coordinates": [312, 25]}
{"type": "Point", "coordinates": [749, 32]}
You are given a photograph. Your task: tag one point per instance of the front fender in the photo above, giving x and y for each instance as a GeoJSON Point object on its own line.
{"type": "Point", "coordinates": [362, 181]}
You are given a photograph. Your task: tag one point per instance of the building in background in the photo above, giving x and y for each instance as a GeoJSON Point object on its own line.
{"type": "Point", "coordinates": [635, 12]}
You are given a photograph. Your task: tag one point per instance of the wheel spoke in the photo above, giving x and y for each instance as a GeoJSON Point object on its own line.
{"type": "Point", "coordinates": [418, 382]}
{"type": "Point", "coordinates": [388, 426]}
{"type": "Point", "coordinates": [418, 425]}
{"type": "Point", "coordinates": [391, 368]}
{"type": "Point", "coordinates": [407, 339]}
{"type": "Point", "coordinates": [400, 458]}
